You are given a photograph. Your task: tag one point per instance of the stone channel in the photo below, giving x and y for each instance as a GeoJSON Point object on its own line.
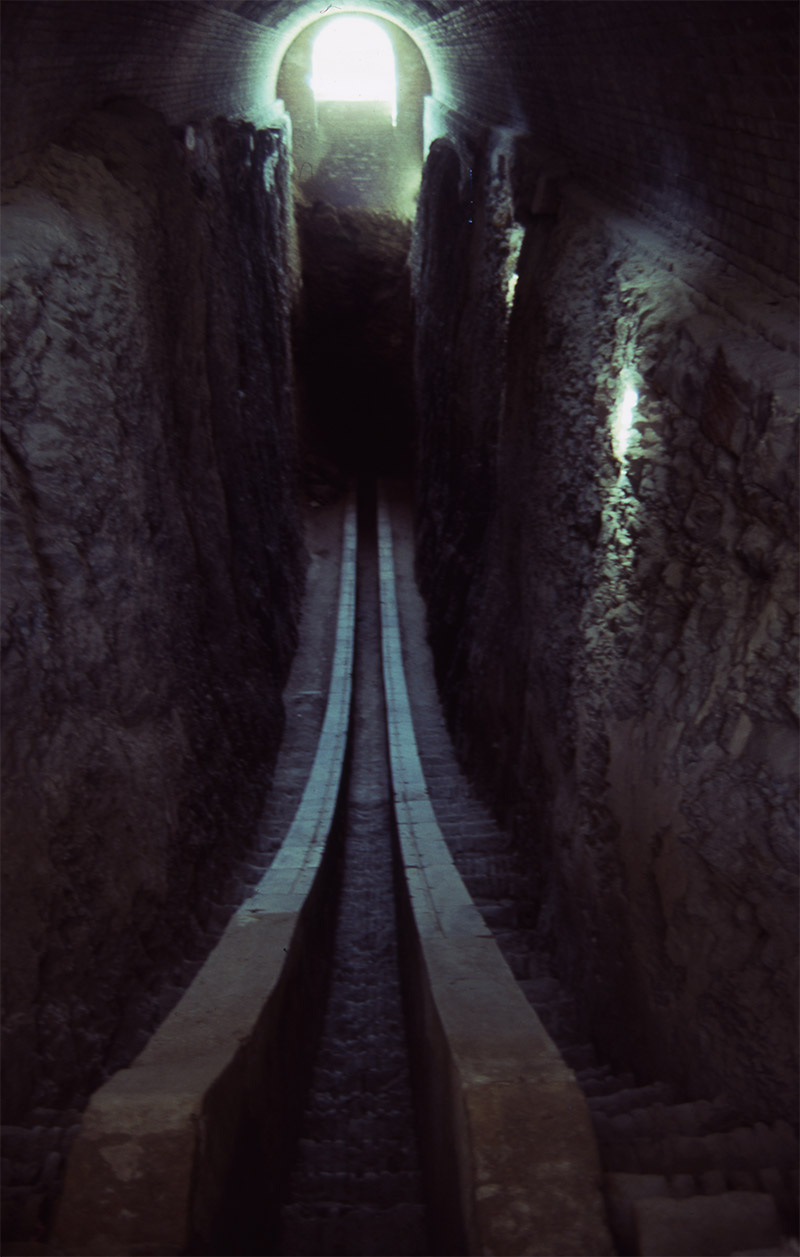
{"type": "Point", "coordinates": [356, 1186]}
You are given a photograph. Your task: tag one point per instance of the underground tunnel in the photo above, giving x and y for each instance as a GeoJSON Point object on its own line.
{"type": "Point", "coordinates": [399, 627]}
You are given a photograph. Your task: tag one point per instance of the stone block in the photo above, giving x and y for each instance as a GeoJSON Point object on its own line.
{"type": "Point", "coordinates": [621, 1192]}
{"type": "Point", "coordinates": [713, 1226]}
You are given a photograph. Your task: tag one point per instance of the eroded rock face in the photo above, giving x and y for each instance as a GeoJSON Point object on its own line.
{"type": "Point", "coordinates": [152, 568]}
{"type": "Point", "coordinates": [616, 641]}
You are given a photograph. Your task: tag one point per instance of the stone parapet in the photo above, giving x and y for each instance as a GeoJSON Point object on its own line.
{"type": "Point", "coordinates": [512, 1161]}
{"type": "Point", "coordinates": [169, 1147]}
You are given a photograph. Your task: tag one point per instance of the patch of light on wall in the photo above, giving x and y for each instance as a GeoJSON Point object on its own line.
{"type": "Point", "coordinates": [353, 60]}
{"type": "Point", "coordinates": [516, 237]}
{"type": "Point", "coordinates": [623, 422]}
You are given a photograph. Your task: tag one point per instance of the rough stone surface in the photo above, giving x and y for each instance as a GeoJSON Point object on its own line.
{"type": "Point", "coordinates": [614, 628]}
{"type": "Point", "coordinates": [152, 570]}
{"type": "Point", "coordinates": [705, 1224]}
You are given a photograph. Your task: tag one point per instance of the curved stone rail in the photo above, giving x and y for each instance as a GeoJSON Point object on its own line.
{"type": "Point", "coordinates": [511, 1157]}
{"type": "Point", "coordinates": [174, 1149]}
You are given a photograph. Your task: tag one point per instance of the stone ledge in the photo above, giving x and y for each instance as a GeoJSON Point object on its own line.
{"type": "Point", "coordinates": [163, 1144]}
{"type": "Point", "coordinates": [512, 1161]}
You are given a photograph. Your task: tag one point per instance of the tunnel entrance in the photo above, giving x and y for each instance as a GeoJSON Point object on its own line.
{"type": "Point", "coordinates": [357, 134]}
{"type": "Point", "coordinates": [357, 113]}
{"type": "Point", "coordinates": [353, 60]}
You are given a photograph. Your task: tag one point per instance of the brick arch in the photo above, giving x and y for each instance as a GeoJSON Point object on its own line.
{"type": "Point", "coordinates": [352, 154]}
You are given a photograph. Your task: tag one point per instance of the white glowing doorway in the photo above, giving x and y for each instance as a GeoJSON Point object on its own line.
{"type": "Point", "coordinates": [353, 60]}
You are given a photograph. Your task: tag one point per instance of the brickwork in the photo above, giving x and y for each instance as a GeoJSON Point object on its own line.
{"type": "Point", "coordinates": [352, 155]}
{"type": "Point", "coordinates": [685, 113]}
{"type": "Point", "coordinates": [191, 61]}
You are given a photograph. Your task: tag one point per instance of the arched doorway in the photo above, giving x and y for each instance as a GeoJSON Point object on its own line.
{"type": "Point", "coordinates": [354, 86]}
{"type": "Point", "coordinates": [352, 60]}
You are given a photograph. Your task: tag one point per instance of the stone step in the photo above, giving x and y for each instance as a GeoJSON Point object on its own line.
{"type": "Point", "coordinates": [746, 1148]}
{"type": "Point", "coordinates": [540, 989]}
{"type": "Point", "coordinates": [606, 1083]}
{"type": "Point", "coordinates": [781, 1251]}
{"type": "Point", "coordinates": [630, 1099]}
{"type": "Point", "coordinates": [705, 1226]}
{"type": "Point", "coordinates": [502, 916]}
{"type": "Point", "coordinates": [578, 1055]}
{"type": "Point", "coordinates": [621, 1191]}
{"type": "Point", "coordinates": [786, 1248]}
{"type": "Point", "coordinates": [656, 1119]}
{"type": "Point", "coordinates": [593, 1073]}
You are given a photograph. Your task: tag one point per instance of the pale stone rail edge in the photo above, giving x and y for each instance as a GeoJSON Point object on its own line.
{"type": "Point", "coordinates": [161, 1163]}
{"type": "Point", "coordinates": [507, 1137]}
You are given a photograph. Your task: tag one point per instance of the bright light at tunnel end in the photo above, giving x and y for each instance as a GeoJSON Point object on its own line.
{"type": "Point", "coordinates": [623, 422]}
{"type": "Point", "coordinates": [353, 60]}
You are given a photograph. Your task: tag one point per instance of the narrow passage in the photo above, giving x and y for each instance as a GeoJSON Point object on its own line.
{"type": "Point", "coordinates": [356, 1186]}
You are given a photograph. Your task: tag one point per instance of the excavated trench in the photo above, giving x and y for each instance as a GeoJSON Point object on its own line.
{"type": "Point", "coordinates": [355, 1185]}
{"type": "Point", "coordinates": [609, 619]}
{"type": "Point", "coordinates": [355, 1172]}
{"type": "Point", "coordinates": [697, 1168]}
{"type": "Point", "coordinates": [672, 1165]}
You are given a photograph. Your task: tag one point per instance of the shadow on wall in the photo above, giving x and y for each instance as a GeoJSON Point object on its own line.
{"type": "Point", "coordinates": [353, 343]}
{"type": "Point", "coordinates": [152, 566]}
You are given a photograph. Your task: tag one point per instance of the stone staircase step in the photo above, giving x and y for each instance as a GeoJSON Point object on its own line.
{"type": "Point", "coordinates": [782, 1186]}
{"type": "Point", "coordinates": [578, 1055]}
{"type": "Point", "coordinates": [786, 1248]}
{"type": "Point", "coordinates": [630, 1099]}
{"type": "Point", "coordinates": [621, 1191]}
{"type": "Point", "coordinates": [712, 1183]}
{"type": "Point", "coordinates": [705, 1226]}
{"type": "Point", "coordinates": [745, 1148]}
{"type": "Point", "coordinates": [500, 916]}
{"type": "Point", "coordinates": [541, 989]}
{"type": "Point", "coordinates": [659, 1119]}
{"type": "Point", "coordinates": [744, 1181]}
{"type": "Point", "coordinates": [782, 1251]}
{"type": "Point", "coordinates": [606, 1083]}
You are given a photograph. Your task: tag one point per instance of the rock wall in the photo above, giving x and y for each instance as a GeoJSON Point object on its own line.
{"type": "Point", "coordinates": [152, 570]}
{"type": "Point", "coordinates": [606, 543]}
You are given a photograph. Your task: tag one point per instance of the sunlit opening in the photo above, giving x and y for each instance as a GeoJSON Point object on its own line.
{"type": "Point", "coordinates": [353, 60]}
{"type": "Point", "coordinates": [623, 420]}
